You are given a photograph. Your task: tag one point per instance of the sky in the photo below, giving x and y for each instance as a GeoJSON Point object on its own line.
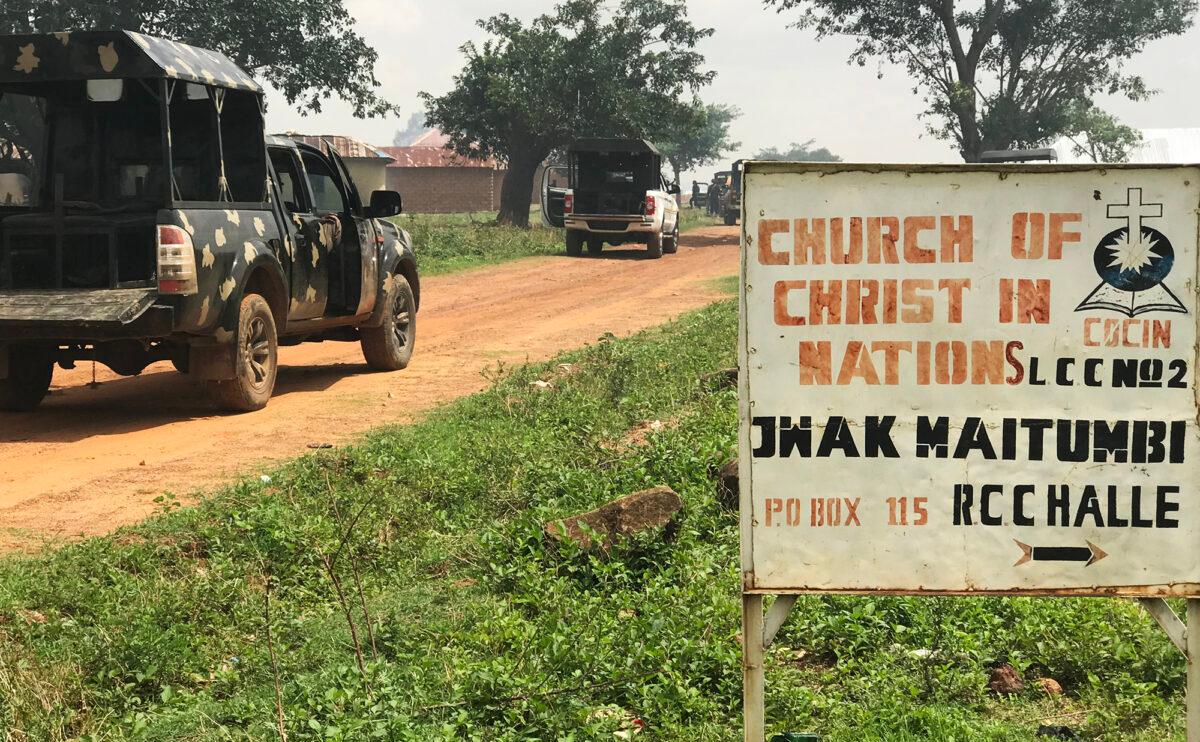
{"type": "Point", "coordinates": [789, 86]}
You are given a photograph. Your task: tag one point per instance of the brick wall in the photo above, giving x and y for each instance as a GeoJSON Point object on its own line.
{"type": "Point", "coordinates": [444, 190]}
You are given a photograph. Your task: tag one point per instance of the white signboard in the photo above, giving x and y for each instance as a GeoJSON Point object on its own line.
{"type": "Point", "coordinates": [970, 379]}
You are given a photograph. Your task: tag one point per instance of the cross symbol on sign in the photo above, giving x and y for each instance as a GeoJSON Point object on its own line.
{"type": "Point", "coordinates": [1133, 211]}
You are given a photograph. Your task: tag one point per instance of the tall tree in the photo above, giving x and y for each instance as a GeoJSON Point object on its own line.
{"type": "Point", "coordinates": [1002, 73]}
{"type": "Point", "coordinates": [307, 49]}
{"type": "Point", "coordinates": [700, 136]}
{"type": "Point", "coordinates": [588, 68]}
{"type": "Point", "coordinates": [802, 152]}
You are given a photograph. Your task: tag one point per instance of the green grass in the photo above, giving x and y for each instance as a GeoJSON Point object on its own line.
{"type": "Point", "coordinates": [450, 242]}
{"type": "Point", "coordinates": [726, 284]}
{"type": "Point", "coordinates": [445, 243]}
{"type": "Point", "coordinates": [690, 219]}
{"type": "Point", "coordinates": [481, 629]}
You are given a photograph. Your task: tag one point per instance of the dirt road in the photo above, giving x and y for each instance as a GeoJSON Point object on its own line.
{"type": "Point", "coordinates": [94, 458]}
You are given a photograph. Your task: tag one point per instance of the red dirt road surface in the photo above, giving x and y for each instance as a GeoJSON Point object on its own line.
{"type": "Point", "coordinates": [92, 459]}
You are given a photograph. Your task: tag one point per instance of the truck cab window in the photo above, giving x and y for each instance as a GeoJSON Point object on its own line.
{"type": "Point", "coordinates": [326, 191]}
{"type": "Point", "coordinates": [288, 175]}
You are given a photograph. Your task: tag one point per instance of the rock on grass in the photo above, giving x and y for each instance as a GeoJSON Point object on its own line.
{"type": "Point", "coordinates": [623, 517]}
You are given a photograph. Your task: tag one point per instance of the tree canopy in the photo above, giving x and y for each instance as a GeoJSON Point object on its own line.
{"type": "Point", "coordinates": [1001, 74]}
{"type": "Point", "coordinates": [700, 136]}
{"type": "Point", "coordinates": [1100, 137]}
{"type": "Point", "coordinates": [587, 68]}
{"type": "Point", "coordinates": [307, 49]}
{"type": "Point", "coordinates": [803, 152]}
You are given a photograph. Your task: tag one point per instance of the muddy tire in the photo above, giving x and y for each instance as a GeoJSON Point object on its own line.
{"type": "Point", "coordinates": [30, 369]}
{"type": "Point", "coordinates": [256, 360]}
{"type": "Point", "coordinates": [730, 219]}
{"type": "Point", "coordinates": [595, 245]}
{"type": "Point", "coordinates": [654, 246]}
{"type": "Point", "coordinates": [671, 242]}
{"type": "Point", "coordinates": [180, 359]}
{"type": "Point", "coordinates": [389, 347]}
{"type": "Point", "coordinates": [574, 243]}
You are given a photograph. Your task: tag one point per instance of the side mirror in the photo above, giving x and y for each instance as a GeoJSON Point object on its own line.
{"type": "Point", "coordinates": [673, 189]}
{"type": "Point", "coordinates": [385, 204]}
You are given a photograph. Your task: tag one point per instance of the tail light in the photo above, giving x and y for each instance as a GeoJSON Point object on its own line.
{"type": "Point", "coordinates": [650, 205]}
{"type": "Point", "coordinates": [569, 203]}
{"type": "Point", "coordinates": [176, 261]}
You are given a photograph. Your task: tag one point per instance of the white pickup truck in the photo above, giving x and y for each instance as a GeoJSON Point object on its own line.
{"type": "Point", "coordinates": [612, 191]}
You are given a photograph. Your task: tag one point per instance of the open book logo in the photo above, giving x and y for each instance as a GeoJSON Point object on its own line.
{"type": "Point", "coordinates": [1133, 262]}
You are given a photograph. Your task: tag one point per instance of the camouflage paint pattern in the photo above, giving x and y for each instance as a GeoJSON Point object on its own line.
{"type": "Point", "coordinates": [97, 55]}
{"type": "Point", "coordinates": [228, 243]}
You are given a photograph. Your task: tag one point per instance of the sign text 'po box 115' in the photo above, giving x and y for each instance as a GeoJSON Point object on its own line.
{"type": "Point", "coordinates": [970, 379]}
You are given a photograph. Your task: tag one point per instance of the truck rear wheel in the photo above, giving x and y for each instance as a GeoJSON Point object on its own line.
{"type": "Point", "coordinates": [671, 242]}
{"type": "Point", "coordinates": [654, 246]}
{"type": "Point", "coordinates": [256, 360]}
{"type": "Point", "coordinates": [595, 245]}
{"type": "Point", "coordinates": [574, 243]}
{"type": "Point", "coordinates": [30, 369]}
{"type": "Point", "coordinates": [730, 219]}
{"type": "Point", "coordinates": [389, 347]}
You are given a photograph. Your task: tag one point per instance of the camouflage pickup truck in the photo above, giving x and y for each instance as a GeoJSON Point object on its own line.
{"type": "Point", "coordinates": [145, 216]}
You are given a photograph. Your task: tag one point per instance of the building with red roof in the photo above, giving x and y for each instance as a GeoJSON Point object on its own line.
{"type": "Point", "coordinates": [436, 180]}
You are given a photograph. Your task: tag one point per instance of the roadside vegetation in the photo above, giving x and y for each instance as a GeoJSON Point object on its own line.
{"type": "Point", "coordinates": [445, 243]}
{"type": "Point", "coordinates": [404, 589]}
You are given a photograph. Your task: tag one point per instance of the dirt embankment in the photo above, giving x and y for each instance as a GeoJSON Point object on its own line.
{"type": "Point", "coordinates": [93, 458]}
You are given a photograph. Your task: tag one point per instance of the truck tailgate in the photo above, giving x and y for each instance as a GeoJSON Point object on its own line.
{"type": "Point", "coordinates": [59, 313]}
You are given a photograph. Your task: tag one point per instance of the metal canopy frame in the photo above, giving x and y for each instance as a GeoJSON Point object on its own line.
{"type": "Point", "coordinates": [165, 92]}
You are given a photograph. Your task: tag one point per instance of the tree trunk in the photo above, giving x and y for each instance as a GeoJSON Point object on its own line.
{"type": "Point", "coordinates": [972, 150]}
{"type": "Point", "coordinates": [517, 191]}
{"type": "Point", "coordinates": [966, 64]}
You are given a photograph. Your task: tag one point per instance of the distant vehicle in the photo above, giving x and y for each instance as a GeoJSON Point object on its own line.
{"type": "Point", "coordinates": [698, 201]}
{"type": "Point", "coordinates": [614, 193]}
{"type": "Point", "coordinates": [731, 197]}
{"type": "Point", "coordinates": [153, 220]}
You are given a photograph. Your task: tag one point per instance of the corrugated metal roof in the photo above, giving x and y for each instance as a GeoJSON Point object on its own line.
{"type": "Point", "coordinates": [1178, 146]}
{"type": "Point", "coordinates": [431, 138]}
{"type": "Point", "coordinates": [347, 147]}
{"type": "Point", "coordinates": [417, 156]}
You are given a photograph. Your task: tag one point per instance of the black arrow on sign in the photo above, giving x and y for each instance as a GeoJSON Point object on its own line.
{"type": "Point", "coordinates": [1089, 554]}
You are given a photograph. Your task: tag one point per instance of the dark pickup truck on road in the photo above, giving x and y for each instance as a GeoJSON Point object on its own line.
{"type": "Point", "coordinates": [145, 216]}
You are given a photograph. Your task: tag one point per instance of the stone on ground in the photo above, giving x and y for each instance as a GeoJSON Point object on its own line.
{"type": "Point", "coordinates": [1005, 680]}
{"type": "Point", "coordinates": [623, 517]}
